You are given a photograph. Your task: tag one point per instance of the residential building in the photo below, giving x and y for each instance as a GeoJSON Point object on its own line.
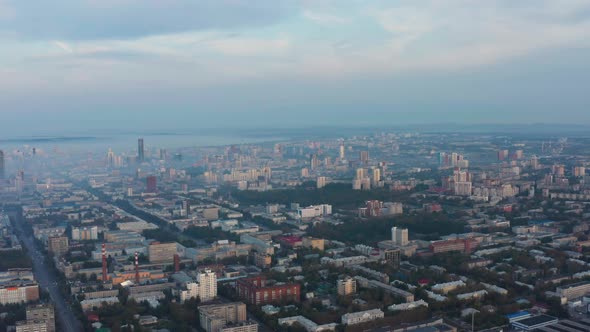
{"type": "Point", "coordinates": [307, 324]}
{"type": "Point", "coordinates": [392, 256]}
{"type": "Point", "coordinates": [362, 316]}
{"type": "Point", "coordinates": [346, 286]}
{"type": "Point", "coordinates": [58, 245]}
{"type": "Point", "coordinates": [226, 317]}
{"type": "Point", "coordinates": [574, 291]}
{"type": "Point", "coordinates": [162, 252]}
{"type": "Point", "coordinates": [42, 312]}
{"type": "Point", "coordinates": [256, 291]}
{"type": "Point", "coordinates": [19, 291]}
{"type": "Point", "coordinates": [399, 236]}
{"type": "Point", "coordinates": [313, 243]}
{"type": "Point", "coordinates": [207, 280]}
{"type": "Point", "coordinates": [84, 233]}
{"type": "Point", "coordinates": [31, 326]}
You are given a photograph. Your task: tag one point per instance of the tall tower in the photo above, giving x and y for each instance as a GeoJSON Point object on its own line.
{"type": "Point", "coordinates": [110, 158]}
{"type": "Point", "coordinates": [105, 277]}
{"type": "Point", "coordinates": [207, 285]}
{"type": "Point", "coordinates": [136, 268]}
{"type": "Point", "coordinates": [1, 164]}
{"type": "Point", "coordinates": [176, 263]}
{"type": "Point", "coordinates": [140, 150]}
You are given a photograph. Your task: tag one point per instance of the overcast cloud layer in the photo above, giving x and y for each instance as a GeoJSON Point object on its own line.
{"type": "Point", "coordinates": [149, 63]}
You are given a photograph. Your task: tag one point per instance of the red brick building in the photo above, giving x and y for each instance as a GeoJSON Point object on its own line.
{"type": "Point", "coordinates": [255, 291]}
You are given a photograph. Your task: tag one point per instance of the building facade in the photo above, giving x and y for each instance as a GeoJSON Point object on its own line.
{"type": "Point", "coordinates": [255, 291]}
{"type": "Point", "coordinates": [215, 317]}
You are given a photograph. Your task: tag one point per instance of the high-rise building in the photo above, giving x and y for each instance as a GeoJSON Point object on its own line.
{"type": "Point", "coordinates": [360, 173]}
{"type": "Point", "coordinates": [346, 286]}
{"type": "Point", "coordinates": [579, 171]}
{"type": "Point", "coordinates": [399, 236]}
{"type": "Point", "coordinates": [1, 164]}
{"type": "Point", "coordinates": [225, 317]}
{"type": "Point", "coordinates": [341, 152]}
{"type": "Point", "coordinates": [207, 280]}
{"type": "Point", "coordinates": [140, 150]}
{"type": "Point", "coordinates": [376, 180]}
{"type": "Point", "coordinates": [33, 325]}
{"type": "Point", "coordinates": [42, 312]}
{"type": "Point", "coordinates": [364, 157]}
{"type": "Point", "coordinates": [186, 207]}
{"type": "Point", "coordinates": [151, 184]}
{"type": "Point", "coordinates": [321, 182]}
{"type": "Point", "coordinates": [110, 158]}
{"type": "Point", "coordinates": [392, 256]}
{"type": "Point", "coordinates": [162, 252]}
{"type": "Point", "coordinates": [85, 233]}
{"type": "Point", "coordinates": [314, 162]}
{"type": "Point", "coordinates": [58, 245]}
{"type": "Point", "coordinates": [502, 154]}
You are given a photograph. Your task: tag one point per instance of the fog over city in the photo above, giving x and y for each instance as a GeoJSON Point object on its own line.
{"type": "Point", "coordinates": [294, 165]}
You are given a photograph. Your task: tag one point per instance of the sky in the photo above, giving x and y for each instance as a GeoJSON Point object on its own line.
{"type": "Point", "coordinates": [87, 65]}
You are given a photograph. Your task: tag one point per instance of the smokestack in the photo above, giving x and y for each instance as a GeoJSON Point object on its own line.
{"type": "Point", "coordinates": [176, 263]}
{"type": "Point", "coordinates": [105, 277]}
{"type": "Point", "coordinates": [136, 268]}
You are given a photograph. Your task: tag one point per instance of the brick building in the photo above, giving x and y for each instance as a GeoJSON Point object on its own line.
{"type": "Point", "coordinates": [255, 291]}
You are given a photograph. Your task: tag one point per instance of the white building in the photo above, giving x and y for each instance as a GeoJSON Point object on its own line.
{"type": "Point", "coordinates": [84, 233]}
{"type": "Point", "coordinates": [314, 211]}
{"type": "Point", "coordinates": [448, 286]}
{"type": "Point", "coordinates": [408, 306]}
{"type": "Point", "coordinates": [393, 208]}
{"type": "Point", "coordinates": [207, 280]}
{"type": "Point", "coordinates": [362, 316]}
{"type": "Point", "coordinates": [321, 182]}
{"type": "Point", "coordinates": [192, 290]}
{"type": "Point", "coordinates": [399, 236]}
{"type": "Point", "coordinates": [307, 324]}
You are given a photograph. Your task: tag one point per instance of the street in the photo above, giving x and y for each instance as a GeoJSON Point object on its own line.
{"type": "Point", "coordinates": [47, 281]}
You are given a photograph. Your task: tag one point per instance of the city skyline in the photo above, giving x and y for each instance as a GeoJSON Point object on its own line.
{"type": "Point", "coordinates": [203, 64]}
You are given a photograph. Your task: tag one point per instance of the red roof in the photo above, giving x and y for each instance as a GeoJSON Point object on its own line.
{"type": "Point", "coordinates": [291, 239]}
{"type": "Point", "coordinates": [424, 281]}
{"type": "Point", "coordinates": [93, 317]}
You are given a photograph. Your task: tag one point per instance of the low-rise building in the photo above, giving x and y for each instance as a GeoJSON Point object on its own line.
{"type": "Point", "coordinates": [18, 291]}
{"type": "Point", "coordinates": [307, 324]}
{"type": "Point", "coordinates": [362, 316]}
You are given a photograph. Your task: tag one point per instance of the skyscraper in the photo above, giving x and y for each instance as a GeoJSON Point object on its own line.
{"type": "Point", "coordinates": [364, 157]}
{"type": "Point", "coordinates": [399, 236]}
{"type": "Point", "coordinates": [110, 158]}
{"type": "Point", "coordinates": [1, 164]}
{"type": "Point", "coordinates": [151, 184]}
{"type": "Point", "coordinates": [140, 150]}
{"type": "Point", "coordinates": [207, 280]}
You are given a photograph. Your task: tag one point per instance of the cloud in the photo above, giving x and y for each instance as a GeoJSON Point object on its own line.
{"type": "Point", "coordinates": [249, 46]}
{"type": "Point", "coordinates": [121, 19]}
{"type": "Point", "coordinates": [325, 19]}
{"type": "Point", "coordinates": [63, 46]}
